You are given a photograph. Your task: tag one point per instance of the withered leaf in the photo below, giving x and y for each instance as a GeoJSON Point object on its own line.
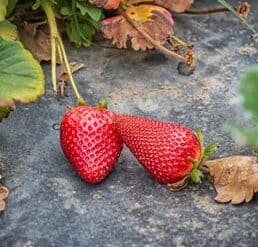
{"type": "Point", "coordinates": [3, 195]}
{"type": "Point", "coordinates": [63, 76]}
{"type": "Point", "coordinates": [175, 5]}
{"type": "Point", "coordinates": [235, 178]}
{"type": "Point", "coordinates": [35, 37]}
{"type": "Point", "coordinates": [106, 4]}
{"type": "Point", "coordinates": [156, 21]}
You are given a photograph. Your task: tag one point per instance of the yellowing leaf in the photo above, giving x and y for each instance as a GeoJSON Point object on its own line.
{"type": "Point", "coordinates": [155, 21]}
{"type": "Point", "coordinates": [8, 31]}
{"type": "Point", "coordinates": [235, 178]}
{"type": "Point", "coordinates": [140, 13]}
{"type": "Point", "coordinates": [3, 9]}
{"type": "Point", "coordinates": [21, 77]}
{"type": "Point", "coordinates": [173, 5]}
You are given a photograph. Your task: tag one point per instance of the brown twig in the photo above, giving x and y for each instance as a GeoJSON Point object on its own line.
{"type": "Point", "coordinates": [243, 9]}
{"type": "Point", "coordinates": [205, 11]}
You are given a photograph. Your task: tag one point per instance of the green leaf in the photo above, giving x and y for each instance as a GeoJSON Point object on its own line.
{"type": "Point", "coordinates": [8, 31]}
{"type": "Point", "coordinates": [245, 136]}
{"type": "Point", "coordinates": [249, 92]}
{"type": "Point", "coordinates": [39, 2]}
{"type": "Point", "coordinates": [21, 77]}
{"type": "Point", "coordinates": [199, 135]}
{"type": "Point", "coordinates": [11, 6]}
{"type": "Point", "coordinates": [210, 150]}
{"type": "Point", "coordinates": [196, 175]}
{"type": "Point", "coordinates": [94, 12]}
{"type": "Point", "coordinates": [3, 9]}
{"type": "Point", "coordinates": [66, 11]}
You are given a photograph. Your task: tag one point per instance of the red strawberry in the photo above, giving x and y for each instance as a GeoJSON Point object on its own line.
{"type": "Point", "coordinates": [90, 141]}
{"type": "Point", "coordinates": [168, 151]}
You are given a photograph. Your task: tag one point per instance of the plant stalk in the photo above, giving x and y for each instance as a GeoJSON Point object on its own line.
{"type": "Point", "coordinates": [53, 34]}
{"type": "Point", "coordinates": [57, 45]}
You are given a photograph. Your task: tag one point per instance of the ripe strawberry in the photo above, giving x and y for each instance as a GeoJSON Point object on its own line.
{"type": "Point", "coordinates": [168, 151]}
{"type": "Point", "coordinates": [90, 141]}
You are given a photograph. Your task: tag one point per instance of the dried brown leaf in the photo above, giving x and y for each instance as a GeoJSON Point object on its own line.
{"type": "Point", "coordinates": [154, 20]}
{"type": "Point", "coordinates": [235, 178]}
{"type": "Point", "coordinates": [3, 195]}
{"type": "Point", "coordinates": [35, 37]}
{"type": "Point", "coordinates": [2, 206]}
{"type": "Point", "coordinates": [175, 5]}
{"type": "Point", "coordinates": [63, 76]}
{"type": "Point", "coordinates": [106, 4]}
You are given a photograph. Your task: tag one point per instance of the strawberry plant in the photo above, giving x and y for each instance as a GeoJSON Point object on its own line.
{"type": "Point", "coordinates": [143, 24]}
{"type": "Point", "coordinates": [92, 137]}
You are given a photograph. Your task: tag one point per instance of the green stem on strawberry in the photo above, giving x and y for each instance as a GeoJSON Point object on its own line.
{"type": "Point", "coordinates": [103, 104]}
{"type": "Point", "coordinates": [58, 46]}
{"type": "Point", "coordinates": [197, 171]}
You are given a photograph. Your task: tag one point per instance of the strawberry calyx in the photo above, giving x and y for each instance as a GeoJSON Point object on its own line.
{"type": "Point", "coordinates": [81, 101]}
{"type": "Point", "coordinates": [196, 172]}
{"type": "Point", "coordinates": [103, 104]}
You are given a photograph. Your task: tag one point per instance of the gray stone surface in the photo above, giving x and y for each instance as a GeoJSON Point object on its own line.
{"type": "Point", "coordinates": [50, 206]}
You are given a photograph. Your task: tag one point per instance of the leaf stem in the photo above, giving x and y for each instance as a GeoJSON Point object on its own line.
{"type": "Point", "coordinates": [57, 43]}
{"type": "Point", "coordinates": [68, 69]}
{"type": "Point", "coordinates": [60, 54]}
{"type": "Point", "coordinates": [205, 11]}
{"type": "Point", "coordinates": [53, 34]}
{"type": "Point", "coordinates": [235, 12]}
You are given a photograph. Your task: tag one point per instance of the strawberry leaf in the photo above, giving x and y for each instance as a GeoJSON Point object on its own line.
{"type": "Point", "coordinates": [157, 22]}
{"type": "Point", "coordinates": [210, 150]}
{"type": "Point", "coordinates": [94, 13]}
{"type": "Point", "coordinates": [106, 4]}
{"type": "Point", "coordinates": [174, 5]}
{"type": "Point", "coordinates": [11, 6]}
{"type": "Point", "coordinates": [196, 175]}
{"type": "Point", "coordinates": [82, 20]}
{"type": "Point", "coordinates": [199, 135]}
{"type": "Point", "coordinates": [8, 31]}
{"type": "Point", "coordinates": [3, 9]}
{"type": "Point", "coordinates": [21, 77]}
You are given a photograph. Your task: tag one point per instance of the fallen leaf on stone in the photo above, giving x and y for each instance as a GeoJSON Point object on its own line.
{"type": "Point", "coordinates": [63, 76]}
{"type": "Point", "coordinates": [235, 178]}
{"type": "Point", "coordinates": [155, 21]}
{"type": "Point", "coordinates": [3, 195]}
